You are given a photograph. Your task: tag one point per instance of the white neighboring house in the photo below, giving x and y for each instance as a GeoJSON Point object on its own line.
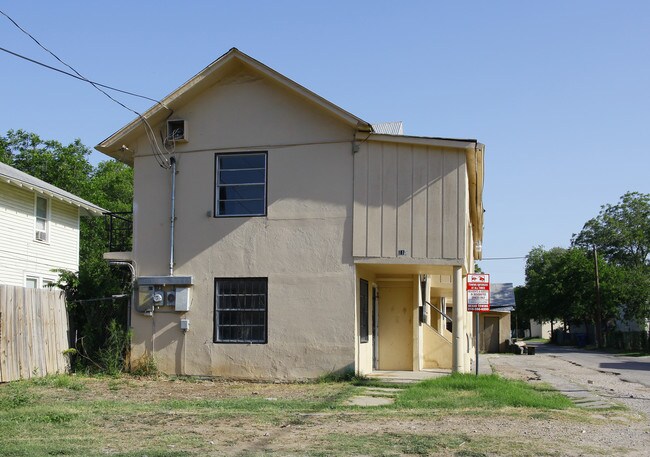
{"type": "Point", "coordinates": [39, 229]}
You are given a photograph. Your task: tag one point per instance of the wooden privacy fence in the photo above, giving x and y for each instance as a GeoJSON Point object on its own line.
{"type": "Point", "coordinates": [33, 333]}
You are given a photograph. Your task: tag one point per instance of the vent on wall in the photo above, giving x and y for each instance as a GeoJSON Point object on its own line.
{"type": "Point", "coordinates": [176, 130]}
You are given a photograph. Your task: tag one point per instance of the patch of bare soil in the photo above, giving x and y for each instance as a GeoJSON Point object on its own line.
{"type": "Point", "coordinates": [149, 390]}
{"type": "Point", "coordinates": [326, 431]}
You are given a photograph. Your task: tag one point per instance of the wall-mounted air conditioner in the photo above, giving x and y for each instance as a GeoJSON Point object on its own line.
{"type": "Point", "coordinates": [41, 235]}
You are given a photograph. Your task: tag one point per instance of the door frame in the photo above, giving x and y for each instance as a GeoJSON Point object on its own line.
{"type": "Point", "coordinates": [375, 327]}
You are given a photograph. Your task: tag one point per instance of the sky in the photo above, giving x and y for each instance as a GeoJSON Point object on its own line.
{"type": "Point", "coordinates": [559, 92]}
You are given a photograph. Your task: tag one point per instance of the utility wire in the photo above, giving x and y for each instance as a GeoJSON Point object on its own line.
{"type": "Point", "coordinates": [503, 258]}
{"type": "Point", "coordinates": [49, 67]}
{"type": "Point", "coordinates": [157, 152]}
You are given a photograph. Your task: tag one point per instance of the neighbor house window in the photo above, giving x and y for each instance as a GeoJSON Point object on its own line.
{"type": "Point", "coordinates": [240, 310]}
{"type": "Point", "coordinates": [34, 281]}
{"type": "Point", "coordinates": [41, 213]}
{"type": "Point", "coordinates": [240, 184]}
{"type": "Point", "coordinates": [363, 314]}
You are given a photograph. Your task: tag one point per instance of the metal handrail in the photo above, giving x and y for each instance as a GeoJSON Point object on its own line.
{"type": "Point", "coordinates": [439, 312]}
{"type": "Point", "coordinates": [120, 230]}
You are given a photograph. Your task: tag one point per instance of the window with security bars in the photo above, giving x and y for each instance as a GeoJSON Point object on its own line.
{"type": "Point", "coordinates": [240, 310]}
{"type": "Point", "coordinates": [240, 184]}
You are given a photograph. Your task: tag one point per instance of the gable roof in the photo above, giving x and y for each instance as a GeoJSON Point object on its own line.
{"type": "Point", "coordinates": [18, 178]}
{"type": "Point", "coordinates": [209, 75]}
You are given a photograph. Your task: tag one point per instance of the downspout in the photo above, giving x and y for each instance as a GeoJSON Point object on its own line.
{"type": "Point", "coordinates": [172, 161]}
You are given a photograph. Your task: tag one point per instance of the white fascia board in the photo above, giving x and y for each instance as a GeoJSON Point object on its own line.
{"type": "Point", "coordinates": [419, 140]}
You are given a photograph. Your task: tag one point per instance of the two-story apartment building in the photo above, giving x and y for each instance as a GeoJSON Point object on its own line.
{"type": "Point", "coordinates": [39, 229]}
{"type": "Point", "coordinates": [278, 236]}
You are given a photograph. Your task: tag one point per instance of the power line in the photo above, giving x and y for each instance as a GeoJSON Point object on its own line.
{"type": "Point", "coordinates": [49, 67]}
{"type": "Point", "coordinates": [159, 155]}
{"type": "Point", "coordinates": [503, 258]}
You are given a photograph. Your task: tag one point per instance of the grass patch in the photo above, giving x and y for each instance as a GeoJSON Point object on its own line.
{"type": "Point", "coordinates": [386, 444]}
{"type": "Point", "coordinates": [16, 395]}
{"type": "Point", "coordinates": [464, 391]}
{"type": "Point", "coordinates": [59, 381]}
{"type": "Point", "coordinates": [394, 444]}
{"type": "Point", "coordinates": [160, 418]}
{"type": "Point", "coordinates": [339, 376]}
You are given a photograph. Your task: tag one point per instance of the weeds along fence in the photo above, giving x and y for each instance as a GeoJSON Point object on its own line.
{"type": "Point", "coordinates": [33, 333]}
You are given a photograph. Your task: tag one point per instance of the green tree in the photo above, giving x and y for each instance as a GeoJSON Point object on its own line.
{"type": "Point", "coordinates": [109, 185]}
{"type": "Point", "coordinates": [523, 312]}
{"type": "Point", "coordinates": [545, 287]}
{"type": "Point", "coordinates": [64, 166]}
{"type": "Point", "coordinates": [621, 232]}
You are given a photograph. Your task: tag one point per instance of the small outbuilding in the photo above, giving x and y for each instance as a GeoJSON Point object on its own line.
{"type": "Point", "coordinates": [495, 324]}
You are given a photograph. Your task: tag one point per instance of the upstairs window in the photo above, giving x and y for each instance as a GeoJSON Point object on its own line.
{"type": "Point", "coordinates": [240, 182]}
{"type": "Point", "coordinates": [41, 213]}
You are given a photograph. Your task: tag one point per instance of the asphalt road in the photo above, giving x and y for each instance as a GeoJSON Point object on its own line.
{"type": "Point", "coordinates": [629, 369]}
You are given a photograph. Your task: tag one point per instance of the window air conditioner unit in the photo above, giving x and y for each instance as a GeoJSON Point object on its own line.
{"type": "Point", "coordinates": [176, 130]}
{"type": "Point", "coordinates": [41, 235]}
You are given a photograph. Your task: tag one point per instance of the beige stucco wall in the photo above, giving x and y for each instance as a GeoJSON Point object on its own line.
{"type": "Point", "coordinates": [303, 245]}
{"type": "Point", "coordinates": [437, 350]}
{"type": "Point", "coordinates": [325, 204]}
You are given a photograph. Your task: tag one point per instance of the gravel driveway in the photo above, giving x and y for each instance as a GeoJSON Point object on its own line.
{"type": "Point", "coordinates": [589, 378]}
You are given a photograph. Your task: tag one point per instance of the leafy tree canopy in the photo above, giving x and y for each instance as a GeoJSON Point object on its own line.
{"type": "Point", "coordinates": [560, 283]}
{"type": "Point", "coordinates": [621, 232]}
{"type": "Point", "coordinates": [109, 185]}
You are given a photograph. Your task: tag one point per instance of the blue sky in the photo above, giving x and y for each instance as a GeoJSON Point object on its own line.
{"type": "Point", "coordinates": [559, 92]}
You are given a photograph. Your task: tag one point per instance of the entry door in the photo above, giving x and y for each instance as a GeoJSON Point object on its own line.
{"type": "Point", "coordinates": [396, 327]}
{"type": "Point", "coordinates": [491, 334]}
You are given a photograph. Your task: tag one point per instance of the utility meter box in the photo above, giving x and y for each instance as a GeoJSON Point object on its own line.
{"type": "Point", "coordinates": [179, 298]}
{"type": "Point", "coordinates": [164, 291]}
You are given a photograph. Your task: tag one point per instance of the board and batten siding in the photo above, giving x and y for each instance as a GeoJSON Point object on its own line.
{"type": "Point", "coordinates": [20, 253]}
{"type": "Point", "coordinates": [412, 198]}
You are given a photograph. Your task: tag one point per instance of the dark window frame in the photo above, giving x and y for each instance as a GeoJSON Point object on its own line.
{"type": "Point", "coordinates": [219, 312]}
{"type": "Point", "coordinates": [363, 310]}
{"type": "Point", "coordinates": [218, 185]}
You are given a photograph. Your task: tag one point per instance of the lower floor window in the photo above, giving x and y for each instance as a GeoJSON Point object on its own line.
{"type": "Point", "coordinates": [240, 310]}
{"type": "Point", "coordinates": [39, 282]}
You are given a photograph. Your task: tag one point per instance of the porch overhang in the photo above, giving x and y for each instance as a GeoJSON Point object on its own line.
{"type": "Point", "coordinates": [408, 265]}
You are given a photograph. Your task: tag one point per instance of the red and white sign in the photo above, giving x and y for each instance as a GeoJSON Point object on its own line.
{"type": "Point", "coordinates": [478, 292]}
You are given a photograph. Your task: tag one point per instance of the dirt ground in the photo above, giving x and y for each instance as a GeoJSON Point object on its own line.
{"type": "Point", "coordinates": [515, 432]}
{"type": "Point", "coordinates": [629, 429]}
